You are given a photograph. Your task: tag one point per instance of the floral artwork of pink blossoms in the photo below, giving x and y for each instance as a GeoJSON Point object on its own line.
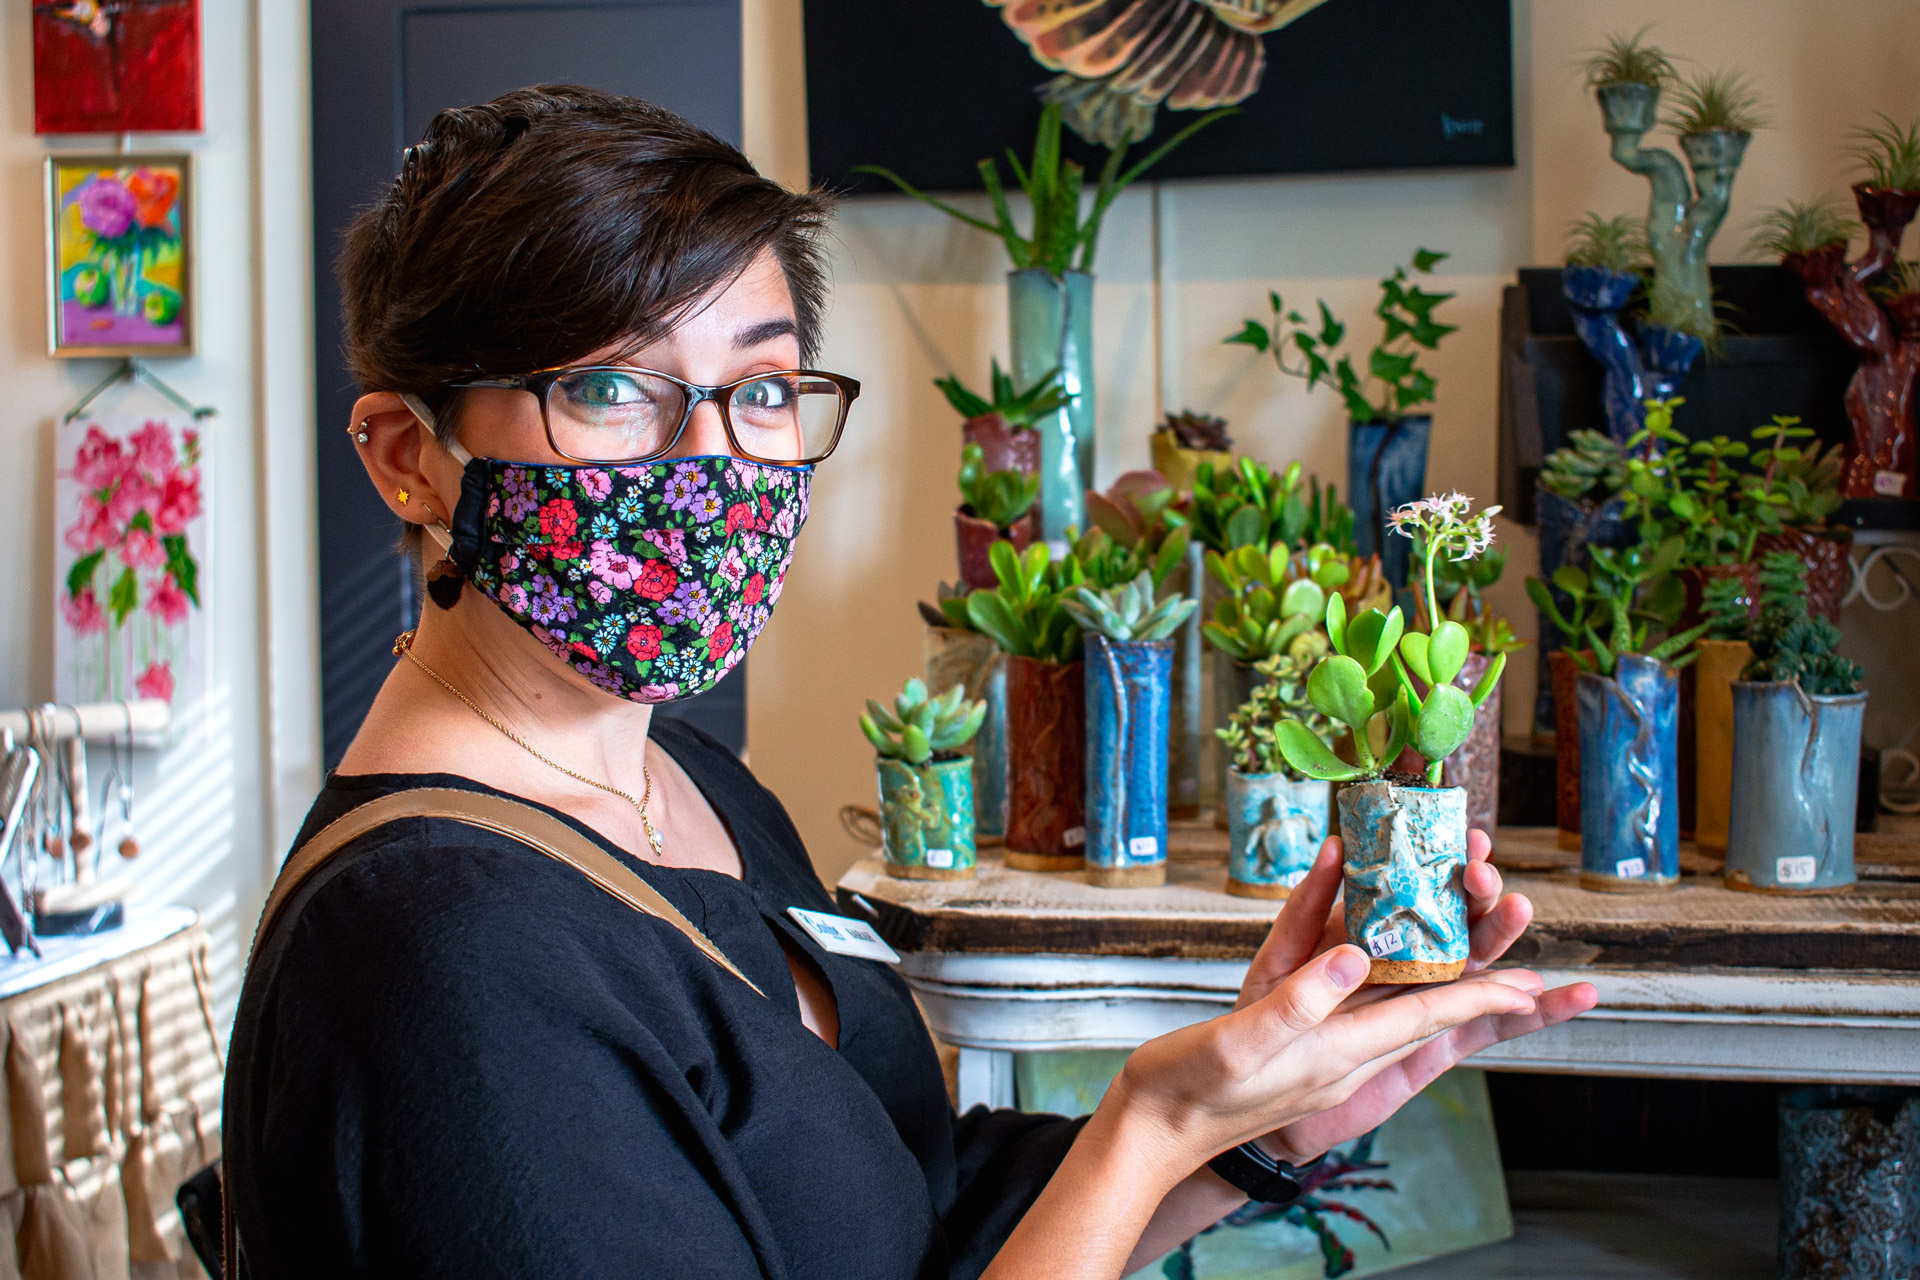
{"type": "Point", "coordinates": [130, 617]}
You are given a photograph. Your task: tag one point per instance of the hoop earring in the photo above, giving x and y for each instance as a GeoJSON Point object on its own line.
{"type": "Point", "coordinates": [360, 436]}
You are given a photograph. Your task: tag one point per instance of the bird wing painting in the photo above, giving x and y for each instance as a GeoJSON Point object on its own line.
{"type": "Point", "coordinates": [1121, 60]}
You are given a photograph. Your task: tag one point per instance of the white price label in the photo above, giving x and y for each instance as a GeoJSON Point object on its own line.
{"type": "Point", "coordinates": [844, 936]}
{"type": "Point", "coordinates": [1293, 878]}
{"type": "Point", "coordinates": [1628, 868]}
{"type": "Point", "coordinates": [1384, 943]}
{"type": "Point", "coordinates": [1796, 870]}
{"type": "Point", "coordinates": [1074, 837]}
{"type": "Point", "coordinates": [940, 859]}
{"type": "Point", "coordinates": [1890, 484]}
{"type": "Point", "coordinates": [1144, 846]}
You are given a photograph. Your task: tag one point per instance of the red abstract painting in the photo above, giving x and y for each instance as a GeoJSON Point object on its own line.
{"type": "Point", "coordinates": [116, 66]}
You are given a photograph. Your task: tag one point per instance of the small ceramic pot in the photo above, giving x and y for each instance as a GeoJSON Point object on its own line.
{"type": "Point", "coordinates": [1046, 765]}
{"type": "Point", "coordinates": [1719, 665]}
{"type": "Point", "coordinates": [1629, 107]}
{"type": "Point", "coordinates": [1566, 749]}
{"type": "Point", "coordinates": [1128, 697]}
{"type": "Point", "coordinates": [926, 818]}
{"type": "Point", "coordinates": [1386, 469]}
{"type": "Point", "coordinates": [1233, 683]}
{"type": "Point", "coordinates": [1186, 721]}
{"type": "Point", "coordinates": [1406, 849]}
{"type": "Point", "coordinates": [1178, 463]}
{"type": "Point", "coordinates": [973, 541]}
{"type": "Point", "coordinates": [957, 656]}
{"type": "Point", "coordinates": [1849, 1183]}
{"type": "Point", "coordinates": [1275, 827]}
{"type": "Point", "coordinates": [1796, 780]}
{"type": "Point", "coordinates": [1476, 765]}
{"type": "Point", "coordinates": [1050, 325]}
{"type": "Point", "coordinates": [1629, 827]}
{"type": "Point", "coordinates": [1002, 448]}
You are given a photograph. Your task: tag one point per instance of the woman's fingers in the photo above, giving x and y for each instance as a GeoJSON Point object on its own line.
{"type": "Point", "coordinates": [1391, 1028]}
{"type": "Point", "coordinates": [1309, 996]}
{"type": "Point", "coordinates": [1498, 929]}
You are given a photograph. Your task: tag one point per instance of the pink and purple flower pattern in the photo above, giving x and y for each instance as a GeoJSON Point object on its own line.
{"type": "Point", "coordinates": [651, 581]}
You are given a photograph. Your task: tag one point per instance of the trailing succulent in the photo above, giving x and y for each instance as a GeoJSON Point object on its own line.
{"type": "Point", "coordinates": [1633, 595]}
{"type": "Point", "coordinates": [1018, 409]}
{"type": "Point", "coordinates": [1251, 737]}
{"type": "Point", "coordinates": [1001, 497]}
{"type": "Point", "coordinates": [1129, 612]}
{"type": "Point", "coordinates": [920, 728]}
{"type": "Point", "coordinates": [1791, 644]}
{"type": "Point", "coordinates": [1249, 505]}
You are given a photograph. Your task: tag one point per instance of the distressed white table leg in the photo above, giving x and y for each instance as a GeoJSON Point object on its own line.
{"type": "Point", "coordinates": [986, 1076]}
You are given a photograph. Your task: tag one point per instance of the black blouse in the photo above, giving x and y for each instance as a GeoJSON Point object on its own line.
{"type": "Point", "coordinates": [459, 1058]}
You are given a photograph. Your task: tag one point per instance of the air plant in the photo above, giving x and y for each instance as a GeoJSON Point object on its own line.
{"type": "Point", "coordinates": [1615, 244]}
{"type": "Point", "coordinates": [1129, 612]}
{"type": "Point", "coordinates": [1890, 154]}
{"type": "Point", "coordinates": [1000, 497]}
{"type": "Point", "coordinates": [1722, 100]}
{"type": "Point", "coordinates": [920, 728]}
{"type": "Point", "coordinates": [1626, 60]}
{"type": "Point", "coordinates": [1368, 682]}
{"type": "Point", "coordinates": [1018, 409]}
{"type": "Point", "coordinates": [1199, 431]}
{"type": "Point", "coordinates": [1252, 742]}
{"type": "Point", "coordinates": [1791, 644]}
{"type": "Point", "coordinates": [1800, 227]}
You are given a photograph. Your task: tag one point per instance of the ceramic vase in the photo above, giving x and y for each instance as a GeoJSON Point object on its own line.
{"type": "Point", "coordinates": [957, 656]}
{"type": "Point", "coordinates": [1275, 827]}
{"type": "Point", "coordinates": [1594, 297]}
{"type": "Point", "coordinates": [1566, 749]}
{"type": "Point", "coordinates": [1849, 1183]}
{"type": "Point", "coordinates": [1629, 824]}
{"type": "Point", "coordinates": [1667, 355]}
{"type": "Point", "coordinates": [1002, 448]}
{"type": "Point", "coordinates": [1178, 463]}
{"type": "Point", "coordinates": [1233, 683]}
{"type": "Point", "coordinates": [1213, 753]}
{"type": "Point", "coordinates": [1046, 765]}
{"type": "Point", "coordinates": [926, 818]}
{"type": "Point", "coordinates": [1567, 529]}
{"type": "Point", "coordinates": [1796, 782]}
{"type": "Point", "coordinates": [973, 540]}
{"type": "Point", "coordinates": [1719, 665]}
{"type": "Point", "coordinates": [1128, 698]}
{"type": "Point", "coordinates": [1051, 321]}
{"type": "Point", "coordinates": [1186, 721]}
{"type": "Point", "coordinates": [1406, 849]}
{"type": "Point", "coordinates": [1386, 468]}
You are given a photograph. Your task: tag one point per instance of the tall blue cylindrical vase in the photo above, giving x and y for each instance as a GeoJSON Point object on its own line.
{"type": "Point", "coordinates": [1594, 297]}
{"type": "Point", "coordinates": [1629, 776]}
{"type": "Point", "coordinates": [1796, 781]}
{"type": "Point", "coordinates": [1129, 695]}
{"type": "Point", "coordinates": [1386, 468]}
{"type": "Point", "coordinates": [1406, 851]}
{"type": "Point", "coordinates": [1275, 827]}
{"type": "Point", "coordinates": [1051, 319]}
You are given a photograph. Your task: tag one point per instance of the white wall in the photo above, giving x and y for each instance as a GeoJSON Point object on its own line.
{"type": "Point", "coordinates": [915, 296]}
{"type": "Point", "coordinates": [210, 810]}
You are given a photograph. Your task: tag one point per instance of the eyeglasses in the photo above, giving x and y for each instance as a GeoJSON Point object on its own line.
{"type": "Point", "coordinates": [618, 414]}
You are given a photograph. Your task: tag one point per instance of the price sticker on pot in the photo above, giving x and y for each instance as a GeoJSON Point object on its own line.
{"type": "Point", "coordinates": [1074, 837]}
{"type": "Point", "coordinates": [1890, 484]}
{"type": "Point", "coordinates": [1628, 868]}
{"type": "Point", "coordinates": [1384, 943]}
{"type": "Point", "coordinates": [940, 859]}
{"type": "Point", "coordinates": [1795, 870]}
{"type": "Point", "coordinates": [1144, 846]}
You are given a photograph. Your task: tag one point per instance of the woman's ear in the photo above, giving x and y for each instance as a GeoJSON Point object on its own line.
{"type": "Point", "coordinates": [416, 476]}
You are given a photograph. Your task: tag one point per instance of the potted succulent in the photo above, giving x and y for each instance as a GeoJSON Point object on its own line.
{"type": "Point", "coordinates": [1796, 746]}
{"type": "Point", "coordinates": [1405, 835]}
{"type": "Point", "coordinates": [1627, 696]}
{"type": "Point", "coordinates": [1184, 441]}
{"type": "Point", "coordinates": [995, 506]}
{"type": "Point", "coordinates": [1050, 290]}
{"type": "Point", "coordinates": [926, 780]}
{"type": "Point", "coordinates": [1276, 817]}
{"type": "Point", "coordinates": [1387, 446]}
{"type": "Point", "coordinates": [1129, 668]}
{"type": "Point", "coordinates": [1797, 488]}
{"type": "Point", "coordinates": [1046, 705]}
{"type": "Point", "coordinates": [1727, 607]}
{"type": "Point", "coordinates": [957, 653]}
{"type": "Point", "coordinates": [1003, 425]}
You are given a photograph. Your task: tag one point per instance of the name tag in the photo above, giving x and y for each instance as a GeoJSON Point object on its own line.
{"type": "Point", "coordinates": [843, 936]}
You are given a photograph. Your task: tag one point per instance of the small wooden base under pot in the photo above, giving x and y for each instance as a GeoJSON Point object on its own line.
{"type": "Point", "coordinates": [1017, 861]}
{"type": "Point", "coordinates": [1242, 889]}
{"type": "Point", "coordinates": [1411, 971]}
{"type": "Point", "coordinates": [1737, 879]}
{"type": "Point", "coordinates": [928, 873]}
{"type": "Point", "coordinates": [1635, 884]}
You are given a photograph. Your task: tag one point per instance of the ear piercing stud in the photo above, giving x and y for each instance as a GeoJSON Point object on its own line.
{"type": "Point", "coordinates": [403, 495]}
{"type": "Point", "coordinates": [360, 436]}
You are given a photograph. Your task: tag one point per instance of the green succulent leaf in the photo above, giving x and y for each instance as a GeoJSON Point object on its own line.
{"type": "Point", "coordinates": [1413, 651]}
{"type": "Point", "coordinates": [1337, 621]}
{"type": "Point", "coordinates": [1447, 651]}
{"type": "Point", "coordinates": [1338, 688]}
{"type": "Point", "coordinates": [1444, 722]}
{"type": "Point", "coordinates": [1310, 756]}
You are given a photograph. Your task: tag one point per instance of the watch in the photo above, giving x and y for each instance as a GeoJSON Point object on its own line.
{"type": "Point", "coordinates": [1261, 1176]}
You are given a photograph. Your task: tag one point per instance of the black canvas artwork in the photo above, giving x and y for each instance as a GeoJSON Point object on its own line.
{"type": "Point", "coordinates": [928, 88]}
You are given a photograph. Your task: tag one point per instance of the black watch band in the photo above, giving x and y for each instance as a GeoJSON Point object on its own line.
{"type": "Point", "coordinates": [1258, 1174]}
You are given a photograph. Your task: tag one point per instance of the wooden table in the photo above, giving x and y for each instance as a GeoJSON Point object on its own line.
{"type": "Point", "coordinates": [1702, 981]}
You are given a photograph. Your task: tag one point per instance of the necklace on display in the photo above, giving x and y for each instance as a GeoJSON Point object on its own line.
{"type": "Point", "coordinates": [403, 647]}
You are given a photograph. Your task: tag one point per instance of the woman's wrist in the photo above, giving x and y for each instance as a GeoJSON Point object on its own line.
{"type": "Point", "coordinates": [1127, 1129]}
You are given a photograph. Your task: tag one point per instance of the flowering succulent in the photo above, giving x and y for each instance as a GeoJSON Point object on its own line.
{"type": "Point", "coordinates": [920, 727]}
{"type": "Point", "coordinates": [1372, 683]}
{"type": "Point", "coordinates": [1129, 612]}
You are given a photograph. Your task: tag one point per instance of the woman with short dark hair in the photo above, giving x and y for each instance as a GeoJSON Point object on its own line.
{"type": "Point", "coordinates": [583, 329]}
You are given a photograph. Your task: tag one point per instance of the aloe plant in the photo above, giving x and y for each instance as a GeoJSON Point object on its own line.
{"type": "Point", "coordinates": [1023, 614]}
{"type": "Point", "coordinates": [1018, 409]}
{"type": "Point", "coordinates": [920, 727]}
{"type": "Point", "coordinates": [1001, 497]}
{"type": "Point", "coordinates": [1129, 612]}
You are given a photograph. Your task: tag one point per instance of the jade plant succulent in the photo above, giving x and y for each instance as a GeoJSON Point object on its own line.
{"type": "Point", "coordinates": [1000, 497]}
{"type": "Point", "coordinates": [1251, 735]}
{"type": "Point", "coordinates": [1275, 602]}
{"type": "Point", "coordinates": [1018, 409]}
{"type": "Point", "coordinates": [1368, 683]}
{"type": "Point", "coordinates": [1791, 644]}
{"type": "Point", "coordinates": [920, 727]}
{"type": "Point", "coordinates": [1626, 604]}
{"type": "Point", "coordinates": [1129, 612]}
{"type": "Point", "coordinates": [1024, 614]}
{"type": "Point", "coordinates": [1249, 504]}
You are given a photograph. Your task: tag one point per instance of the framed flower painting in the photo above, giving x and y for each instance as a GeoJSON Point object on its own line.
{"type": "Point", "coordinates": [130, 616]}
{"type": "Point", "coordinates": [120, 255]}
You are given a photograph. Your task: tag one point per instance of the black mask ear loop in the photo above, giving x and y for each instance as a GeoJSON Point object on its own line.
{"type": "Point", "coordinates": [459, 543]}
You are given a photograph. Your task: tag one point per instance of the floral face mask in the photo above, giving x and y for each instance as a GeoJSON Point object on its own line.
{"type": "Point", "coordinates": [650, 580]}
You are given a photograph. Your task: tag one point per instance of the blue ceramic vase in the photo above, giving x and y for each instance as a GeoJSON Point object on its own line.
{"type": "Point", "coordinates": [1051, 322]}
{"type": "Point", "coordinates": [1129, 695]}
{"type": "Point", "coordinates": [1629, 776]}
{"type": "Point", "coordinates": [1594, 297]}
{"type": "Point", "coordinates": [1566, 531]}
{"type": "Point", "coordinates": [1386, 468]}
{"type": "Point", "coordinates": [926, 818]}
{"type": "Point", "coordinates": [1275, 827]}
{"type": "Point", "coordinates": [1796, 781]}
{"type": "Point", "coordinates": [1406, 848]}
{"type": "Point", "coordinates": [1667, 356]}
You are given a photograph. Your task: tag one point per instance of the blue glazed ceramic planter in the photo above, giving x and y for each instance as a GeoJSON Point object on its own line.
{"type": "Point", "coordinates": [1406, 848]}
{"type": "Point", "coordinates": [957, 656]}
{"type": "Point", "coordinates": [1275, 827]}
{"type": "Point", "coordinates": [1668, 356]}
{"type": "Point", "coordinates": [1796, 779]}
{"type": "Point", "coordinates": [1566, 532]}
{"type": "Point", "coordinates": [1051, 323]}
{"type": "Point", "coordinates": [1386, 468]}
{"type": "Point", "coordinates": [1629, 777]}
{"type": "Point", "coordinates": [1129, 695]}
{"type": "Point", "coordinates": [1849, 1183]}
{"type": "Point", "coordinates": [926, 818]}
{"type": "Point", "coordinates": [1594, 297]}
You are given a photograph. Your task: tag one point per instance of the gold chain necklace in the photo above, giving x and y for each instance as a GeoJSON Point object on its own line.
{"type": "Point", "coordinates": [403, 647]}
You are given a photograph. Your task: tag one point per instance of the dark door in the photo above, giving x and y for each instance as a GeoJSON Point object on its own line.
{"type": "Point", "coordinates": [381, 69]}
